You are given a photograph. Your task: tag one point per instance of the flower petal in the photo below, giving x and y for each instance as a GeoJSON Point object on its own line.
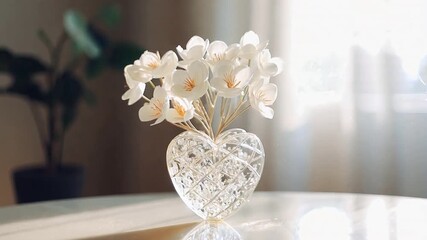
{"type": "Point", "coordinates": [265, 111]}
{"type": "Point", "coordinates": [167, 65]}
{"type": "Point", "coordinates": [195, 53]}
{"type": "Point", "coordinates": [149, 60]}
{"type": "Point", "coordinates": [182, 111]}
{"type": "Point", "coordinates": [271, 69]}
{"type": "Point", "coordinates": [248, 51]}
{"type": "Point", "coordinates": [249, 38]}
{"type": "Point", "coordinates": [269, 93]}
{"type": "Point", "coordinates": [173, 116]}
{"type": "Point", "coordinates": [217, 47]}
{"type": "Point", "coordinates": [222, 68]}
{"type": "Point", "coordinates": [168, 83]}
{"type": "Point", "coordinates": [145, 113]}
{"type": "Point", "coordinates": [159, 120]}
{"type": "Point", "coordinates": [135, 73]}
{"type": "Point", "coordinates": [261, 46]}
{"type": "Point", "coordinates": [189, 115]}
{"type": "Point", "coordinates": [195, 41]}
{"type": "Point", "coordinates": [243, 76]}
{"type": "Point", "coordinates": [192, 83]}
{"type": "Point", "coordinates": [199, 90]}
{"type": "Point", "coordinates": [196, 49]}
{"type": "Point", "coordinates": [160, 93]}
{"type": "Point", "coordinates": [126, 95]}
{"type": "Point", "coordinates": [232, 51]}
{"type": "Point", "coordinates": [279, 64]}
{"type": "Point", "coordinates": [198, 71]}
{"type": "Point", "coordinates": [134, 94]}
{"type": "Point", "coordinates": [179, 78]}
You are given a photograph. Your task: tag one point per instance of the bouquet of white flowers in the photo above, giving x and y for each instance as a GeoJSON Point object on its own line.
{"type": "Point", "coordinates": [187, 92]}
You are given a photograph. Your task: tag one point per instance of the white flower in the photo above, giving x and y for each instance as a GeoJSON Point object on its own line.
{"type": "Point", "coordinates": [156, 108]}
{"type": "Point", "coordinates": [261, 95]}
{"type": "Point", "coordinates": [135, 73]}
{"type": "Point", "coordinates": [167, 84]}
{"type": "Point", "coordinates": [219, 51]}
{"type": "Point", "coordinates": [135, 91]}
{"type": "Point", "coordinates": [182, 111]}
{"type": "Point", "coordinates": [229, 81]}
{"type": "Point", "coordinates": [205, 76]}
{"type": "Point", "coordinates": [191, 83]}
{"type": "Point", "coordinates": [250, 45]}
{"type": "Point", "coordinates": [268, 66]}
{"type": "Point", "coordinates": [195, 50]}
{"type": "Point", "coordinates": [158, 67]}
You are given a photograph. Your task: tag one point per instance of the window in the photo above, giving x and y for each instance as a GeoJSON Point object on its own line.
{"type": "Point", "coordinates": [375, 47]}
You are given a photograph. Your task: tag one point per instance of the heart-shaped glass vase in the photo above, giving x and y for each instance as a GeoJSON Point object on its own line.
{"type": "Point", "coordinates": [214, 179]}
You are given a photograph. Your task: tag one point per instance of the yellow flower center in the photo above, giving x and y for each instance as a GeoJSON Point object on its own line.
{"type": "Point", "coordinates": [157, 107]}
{"type": "Point", "coordinates": [230, 80]}
{"type": "Point", "coordinates": [263, 97]}
{"type": "Point", "coordinates": [189, 84]}
{"type": "Point", "coordinates": [218, 57]}
{"type": "Point", "coordinates": [153, 65]}
{"type": "Point", "coordinates": [155, 62]}
{"type": "Point", "coordinates": [179, 108]}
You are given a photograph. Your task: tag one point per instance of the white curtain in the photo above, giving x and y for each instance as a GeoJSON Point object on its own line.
{"type": "Point", "coordinates": [352, 111]}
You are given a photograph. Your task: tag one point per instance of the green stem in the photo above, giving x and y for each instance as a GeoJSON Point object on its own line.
{"type": "Point", "coordinates": [55, 131]}
{"type": "Point", "coordinates": [39, 123]}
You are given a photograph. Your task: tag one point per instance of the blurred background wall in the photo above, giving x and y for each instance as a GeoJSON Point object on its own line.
{"type": "Point", "coordinates": [350, 115]}
{"type": "Point", "coordinates": [120, 154]}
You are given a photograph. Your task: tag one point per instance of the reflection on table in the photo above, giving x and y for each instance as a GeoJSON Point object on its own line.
{"type": "Point", "coordinates": [268, 216]}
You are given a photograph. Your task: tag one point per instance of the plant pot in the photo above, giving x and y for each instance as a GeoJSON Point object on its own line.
{"type": "Point", "coordinates": [34, 184]}
{"type": "Point", "coordinates": [215, 178]}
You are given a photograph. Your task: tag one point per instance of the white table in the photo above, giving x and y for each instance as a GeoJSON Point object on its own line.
{"type": "Point", "coordinates": [269, 215]}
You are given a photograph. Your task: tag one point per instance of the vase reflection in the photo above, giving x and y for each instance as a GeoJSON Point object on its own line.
{"type": "Point", "coordinates": [217, 230]}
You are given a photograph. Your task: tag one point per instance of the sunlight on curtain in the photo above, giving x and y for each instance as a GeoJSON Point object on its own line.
{"type": "Point", "coordinates": [326, 34]}
{"type": "Point", "coordinates": [355, 82]}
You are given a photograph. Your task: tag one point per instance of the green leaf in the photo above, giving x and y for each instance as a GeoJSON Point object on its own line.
{"type": "Point", "coordinates": [68, 89]}
{"type": "Point", "coordinates": [95, 66]}
{"type": "Point", "coordinates": [44, 38]}
{"type": "Point", "coordinates": [99, 37]}
{"type": "Point", "coordinates": [110, 15]}
{"type": "Point", "coordinates": [69, 114]}
{"type": "Point", "coordinates": [6, 58]}
{"type": "Point", "coordinates": [28, 89]}
{"type": "Point", "coordinates": [25, 66]}
{"type": "Point", "coordinates": [77, 28]}
{"type": "Point", "coordinates": [21, 69]}
{"type": "Point", "coordinates": [124, 53]}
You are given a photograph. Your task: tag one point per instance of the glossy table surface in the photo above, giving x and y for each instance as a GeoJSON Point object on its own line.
{"type": "Point", "coordinates": [269, 215]}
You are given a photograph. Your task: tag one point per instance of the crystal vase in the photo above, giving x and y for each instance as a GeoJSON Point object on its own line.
{"type": "Point", "coordinates": [215, 178]}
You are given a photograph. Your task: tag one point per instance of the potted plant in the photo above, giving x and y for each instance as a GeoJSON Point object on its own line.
{"type": "Point", "coordinates": [81, 52]}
